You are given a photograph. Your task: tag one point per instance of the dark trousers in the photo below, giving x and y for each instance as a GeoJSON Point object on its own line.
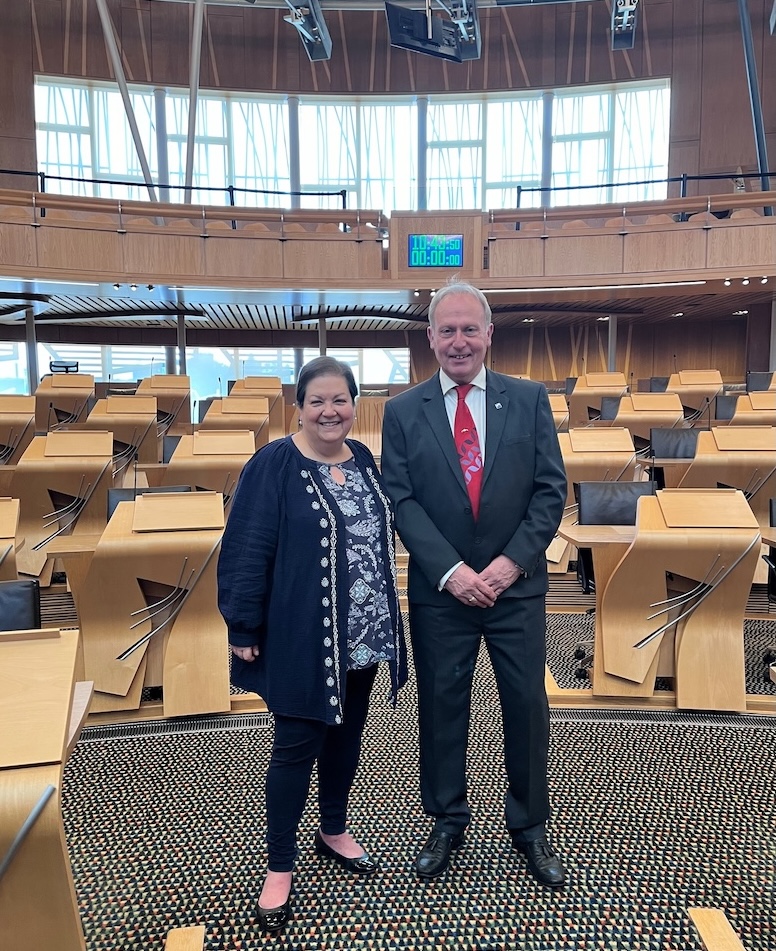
{"type": "Point", "coordinates": [445, 643]}
{"type": "Point", "coordinates": [297, 745]}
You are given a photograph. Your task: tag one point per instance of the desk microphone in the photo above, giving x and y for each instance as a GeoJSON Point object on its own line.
{"type": "Point", "coordinates": [708, 406]}
{"type": "Point", "coordinates": [220, 388]}
{"type": "Point", "coordinates": [675, 370]}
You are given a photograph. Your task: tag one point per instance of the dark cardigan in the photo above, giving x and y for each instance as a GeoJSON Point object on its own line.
{"type": "Point", "coordinates": [283, 582]}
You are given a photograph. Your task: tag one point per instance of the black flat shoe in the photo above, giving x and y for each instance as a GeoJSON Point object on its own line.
{"type": "Point", "coordinates": [363, 865]}
{"type": "Point", "coordinates": [434, 857]}
{"type": "Point", "coordinates": [272, 920]}
{"type": "Point", "coordinates": [543, 861]}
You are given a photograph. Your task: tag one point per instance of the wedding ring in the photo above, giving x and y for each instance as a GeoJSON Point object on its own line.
{"type": "Point", "coordinates": [472, 598]}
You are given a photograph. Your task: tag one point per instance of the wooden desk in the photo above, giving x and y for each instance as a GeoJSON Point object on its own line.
{"type": "Point", "coordinates": [133, 422]}
{"type": "Point", "coordinates": [41, 714]}
{"type": "Point", "coordinates": [62, 483]}
{"type": "Point", "coordinates": [160, 570]}
{"type": "Point", "coordinates": [639, 413]}
{"type": "Point", "coordinates": [588, 391]}
{"type": "Point", "coordinates": [597, 455]}
{"type": "Point", "coordinates": [560, 411]}
{"type": "Point", "coordinates": [17, 427]}
{"type": "Point", "coordinates": [240, 413]}
{"type": "Point", "coordinates": [62, 398]}
{"type": "Point", "coordinates": [696, 388]}
{"type": "Point", "coordinates": [706, 540]}
{"type": "Point", "coordinates": [173, 398]}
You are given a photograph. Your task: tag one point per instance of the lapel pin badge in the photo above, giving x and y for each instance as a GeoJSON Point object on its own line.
{"type": "Point", "coordinates": [498, 405]}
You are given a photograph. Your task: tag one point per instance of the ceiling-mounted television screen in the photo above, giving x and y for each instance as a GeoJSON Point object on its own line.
{"type": "Point", "coordinates": [409, 30]}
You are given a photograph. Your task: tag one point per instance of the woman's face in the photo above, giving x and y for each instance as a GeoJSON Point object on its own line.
{"type": "Point", "coordinates": [328, 411]}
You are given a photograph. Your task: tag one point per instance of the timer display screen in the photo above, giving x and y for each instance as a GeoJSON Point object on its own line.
{"type": "Point", "coordinates": [435, 250]}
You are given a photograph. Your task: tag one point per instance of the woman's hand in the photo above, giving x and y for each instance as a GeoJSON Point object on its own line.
{"type": "Point", "coordinates": [246, 653]}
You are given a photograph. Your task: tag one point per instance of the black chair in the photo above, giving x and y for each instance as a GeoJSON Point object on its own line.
{"type": "Point", "coordinates": [571, 382]}
{"type": "Point", "coordinates": [725, 406]}
{"type": "Point", "coordinates": [671, 444]}
{"type": "Point", "coordinates": [602, 503]}
{"type": "Point", "coordinates": [129, 494]}
{"type": "Point", "coordinates": [168, 446]}
{"type": "Point", "coordinates": [63, 366]}
{"type": "Point", "coordinates": [758, 380]}
{"type": "Point", "coordinates": [610, 407]}
{"type": "Point", "coordinates": [658, 384]}
{"type": "Point", "coordinates": [20, 605]}
{"type": "Point", "coordinates": [204, 406]}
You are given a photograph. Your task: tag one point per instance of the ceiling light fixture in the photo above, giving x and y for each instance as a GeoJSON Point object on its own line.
{"type": "Point", "coordinates": [740, 313]}
{"type": "Point", "coordinates": [745, 281]}
{"type": "Point", "coordinates": [589, 287]}
{"type": "Point", "coordinates": [602, 318]}
{"type": "Point", "coordinates": [116, 287]}
{"type": "Point", "coordinates": [727, 282]}
{"type": "Point", "coordinates": [529, 320]}
{"type": "Point", "coordinates": [764, 280]}
{"type": "Point", "coordinates": [679, 313]}
{"type": "Point", "coordinates": [133, 287]}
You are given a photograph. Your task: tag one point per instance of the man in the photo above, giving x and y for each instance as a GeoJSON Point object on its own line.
{"type": "Point", "coordinates": [477, 481]}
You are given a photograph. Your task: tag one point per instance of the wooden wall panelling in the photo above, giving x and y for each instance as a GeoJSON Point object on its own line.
{"type": "Point", "coordinates": [163, 255]}
{"type": "Point", "coordinates": [686, 43]}
{"type": "Point", "coordinates": [515, 257]}
{"type": "Point", "coordinates": [676, 248]}
{"type": "Point", "coordinates": [225, 47]}
{"type": "Point", "coordinates": [17, 141]}
{"type": "Point", "coordinates": [736, 245]}
{"type": "Point", "coordinates": [726, 135]}
{"type": "Point", "coordinates": [170, 43]}
{"type": "Point", "coordinates": [82, 249]}
{"type": "Point", "coordinates": [728, 348]}
{"type": "Point", "coordinates": [243, 257]}
{"type": "Point", "coordinates": [17, 244]}
{"type": "Point", "coordinates": [583, 254]}
{"type": "Point", "coordinates": [758, 337]}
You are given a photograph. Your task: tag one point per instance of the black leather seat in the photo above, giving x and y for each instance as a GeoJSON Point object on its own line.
{"type": "Point", "coordinates": [671, 444]}
{"type": "Point", "coordinates": [20, 605]}
{"type": "Point", "coordinates": [606, 503]}
{"type": "Point", "coordinates": [610, 407]}
{"type": "Point", "coordinates": [602, 503]}
{"type": "Point", "coordinates": [168, 446]}
{"type": "Point", "coordinates": [758, 380]}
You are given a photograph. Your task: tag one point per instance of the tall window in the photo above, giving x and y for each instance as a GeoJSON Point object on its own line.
{"type": "Point", "coordinates": [479, 149]}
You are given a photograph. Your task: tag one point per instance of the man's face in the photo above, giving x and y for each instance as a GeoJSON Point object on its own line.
{"type": "Point", "coordinates": [459, 337]}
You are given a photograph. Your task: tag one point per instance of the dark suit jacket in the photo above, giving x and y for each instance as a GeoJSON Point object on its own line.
{"type": "Point", "coordinates": [523, 488]}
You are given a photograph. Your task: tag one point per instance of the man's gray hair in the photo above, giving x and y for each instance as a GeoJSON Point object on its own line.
{"type": "Point", "coordinates": [457, 286]}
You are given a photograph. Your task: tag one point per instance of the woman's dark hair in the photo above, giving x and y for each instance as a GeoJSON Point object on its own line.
{"type": "Point", "coordinates": [324, 366]}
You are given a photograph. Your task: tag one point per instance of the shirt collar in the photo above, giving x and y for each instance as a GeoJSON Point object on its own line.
{"type": "Point", "coordinates": [480, 381]}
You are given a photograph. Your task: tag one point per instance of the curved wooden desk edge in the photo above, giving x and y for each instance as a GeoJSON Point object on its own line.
{"type": "Point", "coordinates": [714, 930]}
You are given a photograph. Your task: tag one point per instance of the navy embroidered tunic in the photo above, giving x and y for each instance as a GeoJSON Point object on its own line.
{"type": "Point", "coordinates": [284, 583]}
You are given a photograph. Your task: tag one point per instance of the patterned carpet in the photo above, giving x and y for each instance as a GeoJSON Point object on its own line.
{"type": "Point", "coordinates": [654, 813]}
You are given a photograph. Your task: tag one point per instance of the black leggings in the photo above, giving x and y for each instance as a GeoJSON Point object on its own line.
{"type": "Point", "coordinates": [297, 745]}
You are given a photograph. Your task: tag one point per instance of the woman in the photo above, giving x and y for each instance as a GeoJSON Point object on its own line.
{"type": "Point", "coordinates": [307, 586]}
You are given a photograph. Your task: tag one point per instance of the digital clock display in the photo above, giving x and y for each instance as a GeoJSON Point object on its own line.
{"type": "Point", "coordinates": [435, 250]}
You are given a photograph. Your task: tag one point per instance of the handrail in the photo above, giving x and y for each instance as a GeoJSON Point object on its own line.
{"type": "Point", "coordinates": [667, 206]}
{"type": "Point", "coordinates": [359, 219]}
{"type": "Point", "coordinates": [353, 218]}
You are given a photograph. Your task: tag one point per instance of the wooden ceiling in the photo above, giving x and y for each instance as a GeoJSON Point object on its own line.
{"type": "Point", "coordinates": [139, 309]}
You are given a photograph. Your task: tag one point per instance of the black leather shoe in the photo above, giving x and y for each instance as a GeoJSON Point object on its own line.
{"type": "Point", "coordinates": [363, 865]}
{"type": "Point", "coordinates": [272, 920]}
{"type": "Point", "coordinates": [543, 861]}
{"type": "Point", "coordinates": [434, 857]}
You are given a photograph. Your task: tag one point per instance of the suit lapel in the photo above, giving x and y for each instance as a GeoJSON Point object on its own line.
{"type": "Point", "coordinates": [496, 406]}
{"type": "Point", "coordinates": [436, 414]}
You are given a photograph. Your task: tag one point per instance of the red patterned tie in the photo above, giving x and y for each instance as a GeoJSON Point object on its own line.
{"type": "Point", "coordinates": [467, 442]}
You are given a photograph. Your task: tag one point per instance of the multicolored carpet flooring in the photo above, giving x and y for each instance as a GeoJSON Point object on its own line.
{"type": "Point", "coordinates": [653, 813]}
